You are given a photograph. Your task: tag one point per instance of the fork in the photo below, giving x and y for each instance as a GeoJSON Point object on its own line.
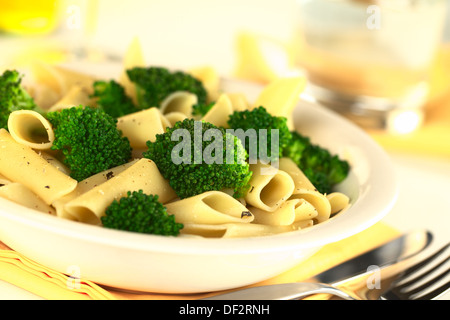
{"type": "Point", "coordinates": [414, 283]}
{"type": "Point", "coordinates": [404, 285]}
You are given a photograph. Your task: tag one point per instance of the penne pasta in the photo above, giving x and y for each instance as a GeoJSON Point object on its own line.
{"type": "Point", "coordinates": [20, 194]}
{"type": "Point", "coordinates": [19, 163]}
{"type": "Point", "coordinates": [300, 180]}
{"type": "Point", "coordinates": [304, 189]}
{"type": "Point", "coordinates": [60, 210]}
{"type": "Point", "coordinates": [142, 126]}
{"type": "Point", "coordinates": [338, 201]}
{"type": "Point", "coordinates": [47, 155]}
{"type": "Point", "coordinates": [269, 187]}
{"type": "Point", "coordinates": [304, 211]}
{"type": "Point", "coordinates": [283, 216]}
{"type": "Point", "coordinates": [210, 80]}
{"type": "Point", "coordinates": [239, 101]}
{"type": "Point", "coordinates": [213, 207]}
{"type": "Point", "coordinates": [281, 96]}
{"type": "Point", "coordinates": [85, 186]}
{"type": "Point", "coordinates": [61, 79]}
{"type": "Point", "coordinates": [318, 200]}
{"type": "Point", "coordinates": [143, 175]}
{"type": "Point", "coordinates": [75, 96]}
{"type": "Point", "coordinates": [46, 75]}
{"type": "Point", "coordinates": [30, 128]}
{"type": "Point", "coordinates": [174, 117]}
{"type": "Point", "coordinates": [288, 213]}
{"type": "Point", "coordinates": [4, 180]}
{"type": "Point", "coordinates": [134, 57]}
{"type": "Point", "coordinates": [303, 224]}
{"type": "Point", "coordinates": [44, 96]}
{"type": "Point", "coordinates": [179, 101]}
{"type": "Point", "coordinates": [218, 115]}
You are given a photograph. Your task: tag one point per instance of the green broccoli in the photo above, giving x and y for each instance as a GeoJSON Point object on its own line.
{"type": "Point", "coordinates": [323, 169]}
{"type": "Point", "coordinates": [262, 122]}
{"type": "Point", "coordinates": [13, 96]}
{"type": "Point", "coordinates": [89, 140]}
{"type": "Point", "coordinates": [201, 109]}
{"type": "Point", "coordinates": [197, 171]}
{"type": "Point", "coordinates": [154, 84]}
{"type": "Point", "coordinates": [140, 212]}
{"type": "Point", "coordinates": [112, 98]}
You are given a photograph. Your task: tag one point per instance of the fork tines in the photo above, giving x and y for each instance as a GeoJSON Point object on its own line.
{"type": "Point", "coordinates": [426, 280]}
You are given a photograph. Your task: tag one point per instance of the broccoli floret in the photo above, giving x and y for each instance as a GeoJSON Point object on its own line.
{"type": "Point", "coordinates": [297, 145]}
{"type": "Point", "coordinates": [201, 109]}
{"type": "Point", "coordinates": [154, 84]}
{"type": "Point", "coordinates": [140, 212]}
{"type": "Point", "coordinates": [13, 96]}
{"type": "Point", "coordinates": [206, 164]}
{"type": "Point", "coordinates": [89, 140]}
{"type": "Point", "coordinates": [323, 169]}
{"type": "Point", "coordinates": [112, 98]}
{"type": "Point", "coordinates": [263, 123]}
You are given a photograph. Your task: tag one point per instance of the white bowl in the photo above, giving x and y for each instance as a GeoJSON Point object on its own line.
{"type": "Point", "coordinates": [190, 265]}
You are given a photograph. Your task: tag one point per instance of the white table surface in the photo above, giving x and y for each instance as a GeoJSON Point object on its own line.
{"type": "Point", "coordinates": [173, 29]}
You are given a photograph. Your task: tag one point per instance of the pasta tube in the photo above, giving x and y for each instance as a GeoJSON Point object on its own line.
{"type": "Point", "coordinates": [318, 200]}
{"type": "Point", "coordinates": [85, 186]}
{"type": "Point", "coordinates": [338, 201]}
{"type": "Point", "coordinates": [281, 96]}
{"type": "Point", "coordinates": [305, 190]}
{"type": "Point", "coordinates": [54, 162]}
{"type": "Point", "coordinates": [300, 180]}
{"type": "Point", "coordinates": [19, 163]}
{"type": "Point", "coordinates": [239, 101]}
{"type": "Point", "coordinates": [212, 207]}
{"type": "Point", "coordinates": [289, 212]}
{"type": "Point", "coordinates": [20, 194]}
{"type": "Point", "coordinates": [134, 57]}
{"type": "Point", "coordinates": [210, 80]}
{"type": "Point", "coordinates": [269, 187]}
{"type": "Point", "coordinates": [61, 79]}
{"type": "Point", "coordinates": [174, 117]}
{"type": "Point", "coordinates": [30, 128]}
{"type": "Point", "coordinates": [179, 101]}
{"type": "Point", "coordinates": [4, 180]}
{"type": "Point", "coordinates": [218, 115]}
{"type": "Point", "coordinates": [143, 175]}
{"type": "Point", "coordinates": [142, 126]}
{"type": "Point", "coordinates": [76, 95]}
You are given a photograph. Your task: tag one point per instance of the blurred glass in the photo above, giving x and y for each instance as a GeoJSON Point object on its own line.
{"type": "Point", "coordinates": [28, 17]}
{"type": "Point", "coordinates": [78, 25]}
{"type": "Point", "coordinates": [53, 30]}
{"type": "Point", "coordinates": [370, 59]}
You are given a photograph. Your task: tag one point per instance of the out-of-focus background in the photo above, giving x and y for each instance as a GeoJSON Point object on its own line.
{"type": "Point", "coordinates": [261, 39]}
{"type": "Point", "coordinates": [173, 31]}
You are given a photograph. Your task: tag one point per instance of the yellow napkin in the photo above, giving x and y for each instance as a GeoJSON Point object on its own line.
{"type": "Point", "coordinates": [262, 59]}
{"type": "Point", "coordinates": [52, 285]}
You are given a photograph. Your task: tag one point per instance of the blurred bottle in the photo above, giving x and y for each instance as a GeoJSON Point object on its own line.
{"type": "Point", "coordinates": [28, 17]}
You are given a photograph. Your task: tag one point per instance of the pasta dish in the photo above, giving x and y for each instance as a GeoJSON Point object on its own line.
{"type": "Point", "coordinates": [275, 195]}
